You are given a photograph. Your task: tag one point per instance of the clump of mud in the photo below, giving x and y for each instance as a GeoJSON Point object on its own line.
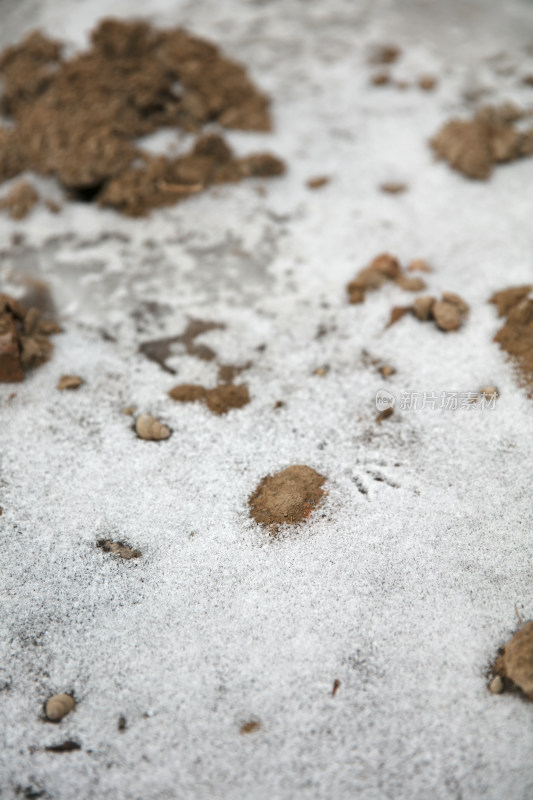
{"type": "Point", "coordinates": [219, 400]}
{"type": "Point", "coordinates": [78, 118]}
{"type": "Point", "coordinates": [516, 336]}
{"type": "Point", "coordinates": [513, 669]}
{"type": "Point", "coordinates": [118, 549]}
{"type": "Point", "coordinates": [288, 497]}
{"type": "Point", "coordinates": [382, 269]}
{"type": "Point", "coordinates": [24, 339]}
{"type": "Point", "coordinates": [475, 146]}
{"type": "Point", "coordinates": [20, 200]}
{"type": "Point", "coordinates": [448, 313]}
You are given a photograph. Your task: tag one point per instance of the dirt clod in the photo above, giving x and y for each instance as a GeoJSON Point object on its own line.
{"type": "Point", "coordinates": [118, 549]}
{"type": "Point", "coordinates": [20, 200]}
{"type": "Point", "coordinates": [318, 183]}
{"type": "Point", "coordinates": [385, 414]}
{"type": "Point", "coordinates": [427, 82]}
{"type": "Point", "coordinates": [475, 146]}
{"type": "Point", "coordinates": [288, 497]}
{"type": "Point", "coordinates": [24, 339]}
{"type": "Point", "coordinates": [384, 54]}
{"type": "Point", "coordinates": [515, 664]}
{"type": "Point", "coordinates": [381, 269]}
{"type": "Point", "coordinates": [446, 315]}
{"type": "Point", "coordinates": [516, 336]}
{"type": "Point", "coordinates": [393, 187]}
{"type": "Point", "coordinates": [69, 382]}
{"type": "Point", "coordinates": [250, 727]}
{"type": "Point", "coordinates": [79, 118]}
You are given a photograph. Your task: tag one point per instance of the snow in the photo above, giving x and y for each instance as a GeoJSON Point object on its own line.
{"type": "Point", "coordinates": [405, 582]}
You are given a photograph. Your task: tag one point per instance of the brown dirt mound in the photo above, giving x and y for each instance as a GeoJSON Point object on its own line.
{"type": "Point", "coordinates": [77, 118]}
{"type": "Point", "coordinates": [514, 665]}
{"type": "Point", "coordinates": [516, 336]}
{"type": "Point", "coordinates": [474, 147]}
{"type": "Point", "coordinates": [286, 497]}
{"type": "Point", "coordinates": [24, 339]}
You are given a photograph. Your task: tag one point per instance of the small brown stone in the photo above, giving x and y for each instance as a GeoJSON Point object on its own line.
{"type": "Point", "coordinates": [250, 727]}
{"type": "Point", "coordinates": [517, 660]}
{"type": "Point", "coordinates": [318, 183]}
{"type": "Point", "coordinates": [410, 284]}
{"type": "Point", "coordinates": [224, 398]}
{"type": "Point", "coordinates": [452, 297]}
{"type": "Point", "coordinates": [384, 54]}
{"type": "Point", "coordinates": [419, 265]}
{"type": "Point", "coordinates": [381, 78]}
{"type": "Point", "coordinates": [385, 414]}
{"type": "Point", "coordinates": [391, 187]}
{"type": "Point", "coordinates": [447, 316]}
{"type": "Point", "coordinates": [427, 82]}
{"type": "Point", "coordinates": [386, 371]}
{"type": "Point", "coordinates": [387, 265]}
{"type": "Point", "coordinates": [69, 382]}
{"type": "Point", "coordinates": [423, 307]}
{"type": "Point", "coordinates": [187, 393]}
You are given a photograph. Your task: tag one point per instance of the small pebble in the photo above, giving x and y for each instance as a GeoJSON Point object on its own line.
{"type": "Point", "coordinates": [59, 706]}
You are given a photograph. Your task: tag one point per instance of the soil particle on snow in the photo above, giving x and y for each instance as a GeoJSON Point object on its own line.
{"type": "Point", "coordinates": [159, 350]}
{"type": "Point", "coordinates": [427, 82]}
{"type": "Point", "coordinates": [118, 549]}
{"type": "Point", "coordinates": [318, 183]}
{"type": "Point", "coordinates": [59, 706]}
{"type": "Point", "coordinates": [384, 54]}
{"type": "Point", "coordinates": [78, 118]}
{"type": "Point", "coordinates": [20, 200]}
{"type": "Point", "coordinates": [250, 727]}
{"type": "Point", "coordinates": [65, 747]}
{"type": "Point", "coordinates": [418, 265]}
{"type": "Point", "coordinates": [288, 497]}
{"type": "Point", "coordinates": [381, 269]}
{"type": "Point", "coordinates": [219, 400]}
{"type": "Point", "coordinates": [393, 187]}
{"type": "Point", "coordinates": [516, 336]}
{"type": "Point", "coordinates": [69, 382]}
{"type": "Point", "coordinates": [381, 78]}
{"type": "Point", "coordinates": [514, 665]}
{"type": "Point", "coordinates": [385, 414]}
{"type": "Point", "coordinates": [475, 146]}
{"type": "Point", "coordinates": [24, 339]}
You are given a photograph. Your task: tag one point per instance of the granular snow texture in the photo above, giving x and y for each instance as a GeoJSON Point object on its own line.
{"type": "Point", "coordinates": [403, 583]}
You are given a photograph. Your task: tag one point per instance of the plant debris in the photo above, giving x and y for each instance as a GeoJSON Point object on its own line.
{"type": "Point", "coordinates": [78, 118]}
{"type": "Point", "coordinates": [219, 400]}
{"type": "Point", "coordinates": [514, 665]}
{"type": "Point", "coordinates": [20, 200]}
{"type": "Point", "coordinates": [159, 350]}
{"type": "Point", "coordinates": [69, 382]}
{"type": "Point", "coordinates": [118, 549]}
{"type": "Point", "coordinates": [288, 497]}
{"type": "Point", "coordinates": [24, 339]}
{"type": "Point", "coordinates": [383, 268]}
{"type": "Point", "coordinates": [516, 336]}
{"type": "Point", "coordinates": [474, 147]}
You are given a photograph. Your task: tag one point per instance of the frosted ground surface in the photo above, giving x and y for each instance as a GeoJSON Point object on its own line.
{"type": "Point", "coordinates": [405, 582]}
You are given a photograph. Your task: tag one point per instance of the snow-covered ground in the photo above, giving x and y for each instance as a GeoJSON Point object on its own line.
{"type": "Point", "coordinates": [407, 579]}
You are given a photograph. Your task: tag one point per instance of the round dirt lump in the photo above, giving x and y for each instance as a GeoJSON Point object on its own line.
{"type": "Point", "coordinates": [518, 659]}
{"type": "Point", "coordinates": [287, 497]}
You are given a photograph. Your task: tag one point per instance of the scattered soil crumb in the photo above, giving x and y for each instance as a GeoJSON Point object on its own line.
{"type": "Point", "coordinates": [59, 706]}
{"type": "Point", "coordinates": [383, 268]}
{"type": "Point", "coordinates": [382, 78]}
{"type": "Point", "coordinates": [386, 371]}
{"type": "Point", "coordinates": [122, 723]}
{"type": "Point", "coordinates": [496, 685]}
{"type": "Point", "coordinates": [384, 54]}
{"type": "Point", "coordinates": [228, 372]}
{"type": "Point", "coordinates": [336, 687]}
{"type": "Point", "coordinates": [516, 336]}
{"type": "Point", "coordinates": [20, 200]}
{"type": "Point", "coordinates": [118, 549]}
{"type": "Point", "coordinates": [159, 350]}
{"type": "Point", "coordinates": [278, 404]}
{"type": "Point", "coordinates": [474, 147]}
{"type": "Point", "coordinates": [219, 400]}
{"type": "Point", "coordinates": [392, 187]}
{"type": "Point", "coordinates": [24, 341]}
{"type": "Point", "coordinates": [151, 429]}
{"type": "Point", "coordinates": [69, 382]}
{"type": "Point", "coordinates": [288, 497]}
{"type": "Point", "coordinates": [427, 82]}
{"type": "Point", "coordinates": [385, 414]}
{"type": "Point", "coordinates": [66, 747]}
{"type": "Point", "coordinates": [322, 371]}
{"type": "Point", "coordinates": [250, 727]}
{"type": "Point", "coordinates": [318, 183]}
{"type": "Point", "coordinates": [78, 118]}
{"type": "Point", "coordinates": [418, 265]}
{"type": "Point", "coordinates": [514, 665]}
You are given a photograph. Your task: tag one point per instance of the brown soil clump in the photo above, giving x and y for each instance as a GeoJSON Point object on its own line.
{"type": "Point", "coordinates": [474, 147]}
{"type": "Point", "coordinates": [385, 414]}
{"type": "Point", "coordinates": [70, 382]}
{"type": "Point", "coordinates": [516, 336]}
{"type": "Point", "coordinates": [384, 54]}
{"type": "Point", "coordinates": [250, 727]}
{"type": "Point", "coordinates": [286, 497]}
{"type": "Point", "coordinates": [78, 118]}
{"type": "Point", "coordinates": [118, 549]}
{"type": "Point", "coordinates": [391, 187]}
{"type": "Point", "coordinates": [382, 78]}
{"type": "Point", "coordinates": [427, 82]}
{"type": "Point", "coordinates": [20, 200]}
{"type": "Point", "coordinates": [514, 665]}
{"type": "Point", "coordinates": [383, 268]}
{"type": "Point", "coordinates": [448, 313]}
{"type": "Point", "coordinates": [317, 183]}
{"type": "Point", "coordinates": [219, 400]}
{"type": "Point", "coordinates": [24, 341]}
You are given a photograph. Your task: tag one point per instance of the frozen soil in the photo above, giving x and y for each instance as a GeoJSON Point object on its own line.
{"type": "Point", "coordinates": [349, 656]}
